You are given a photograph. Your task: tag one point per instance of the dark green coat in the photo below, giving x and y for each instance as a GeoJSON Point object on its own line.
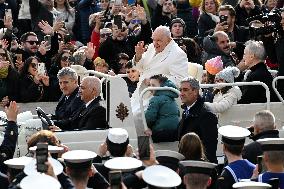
{"type": "Point", "coordinates": [163, 111]}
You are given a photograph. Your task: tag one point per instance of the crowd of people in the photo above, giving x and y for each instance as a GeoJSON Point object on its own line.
{"type": "Point", "coordinates": [153, 43]}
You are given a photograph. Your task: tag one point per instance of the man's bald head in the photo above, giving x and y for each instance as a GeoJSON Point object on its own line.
{"type": "Point", "coordinates": [222, 40]}
{"type": "Point", "coordinates": [161, 38]}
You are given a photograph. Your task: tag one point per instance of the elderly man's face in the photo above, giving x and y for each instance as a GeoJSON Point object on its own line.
{"type": "Point", "coordinates": [86, 92]}
{"type": "Point", "coordinates": [67, 85]}
{"type": "Point", "coordinates": [248, 57]}
{"type": "Point", "coordinates": [223, 43]}
{"type": "Point", "coordinates": [188, 95]}
{"type": "Point", "coordinates": [160, 41]}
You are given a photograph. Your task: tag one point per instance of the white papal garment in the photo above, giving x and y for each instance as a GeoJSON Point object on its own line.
{"type": "Point", "coordinates": [171, 62]}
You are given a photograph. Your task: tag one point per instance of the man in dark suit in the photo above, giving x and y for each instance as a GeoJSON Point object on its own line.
{"type": "Point", "coordinates": [254, 57]}
{"type": "Point", "coordinates": [92, 115]}
{"type": "Point", "coordinates": [70, 101]}
{"type": "Point", "coordinates": [198, 118]}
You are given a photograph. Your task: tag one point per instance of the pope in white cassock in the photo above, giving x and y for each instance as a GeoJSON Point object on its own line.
{"type": "Point", "coordinates": [163, 56]}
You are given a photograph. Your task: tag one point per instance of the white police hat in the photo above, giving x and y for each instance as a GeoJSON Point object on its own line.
{"type": "Point", "coordinates": [169, 158]}
{"type": "Point", "coordinates": [51, 149]}
{"type": "Point", "coordinates": [251, 185]}
{"type": "Point", "coordinates": [79, 158]}
{"type": "Point", "coordinates": [117, 135]}
{"type": "Point", "coordinates": [203, 167]}
{"type": "Point", "coordinates": [161, 176]}
{"type": "Point", "coordinates": [234, 135]}
{"type": "Point", "coordinates": [41, 181]}
{"type": "Point", "coordinates": [123, 163]}
{"type": "Point", "coordinates": [30, 168]}
{"type": "Point", "coordinates": [18, 163]}
{"type": "Point", "coordinates": [272, 144]}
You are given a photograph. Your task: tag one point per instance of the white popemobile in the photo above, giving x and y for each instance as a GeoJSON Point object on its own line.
{"type": "Point", "coordinates": [119, 115]}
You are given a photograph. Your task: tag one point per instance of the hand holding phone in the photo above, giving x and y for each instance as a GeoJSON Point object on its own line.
{"type": "Point", "coordinates": [144, 147]}
{"type": "Point", "coordinates": [41, 68]}
{"type": "Point", "coordinates": [41, 157]}
{"type": "Point", "coordinates": [223, 19]}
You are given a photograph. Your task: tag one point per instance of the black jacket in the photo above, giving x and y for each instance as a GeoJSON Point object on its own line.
{"type": "Point", "coordinates": [205, 25]}
{"type": "Point", "coordinates": [253, 149]}
{"type": "Point", "coordinates": [204, 123]}
{"type": "Point", "coordinates": [256, 94]}
{"type": "Point", "coordinates": [90, 118]}
{"type": "Point", "coordinates": [66, 108]}
{"type": "Point", "coordinates": [159, 19]}
{"type": "Point", "coordinates": [32, 92]}
{"type": "Point", "coordinates": [8, 145]}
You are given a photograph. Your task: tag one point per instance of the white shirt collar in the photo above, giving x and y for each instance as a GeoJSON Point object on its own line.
{"type": "Point", "coordinates": [88, 103]}
{"type": "Point", "coordinates": [189, 107]}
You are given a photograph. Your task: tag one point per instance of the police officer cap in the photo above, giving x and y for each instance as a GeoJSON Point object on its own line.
{"type": "Point", "coordinates": [203, 167]}
{"type": "Point", "coordinates": [79, 158]}
{"type": "Point", "coordinates": [117, 135]}
{"type": "Point", "coordinates": [123, 163]}
{"type": "Point", "coordinates": [41, 181]}
{"type": "Point", "coordinates": [51, 149]}
{"type": "Point", "coordinates": [251, 185]}
{"type": "Point", "coordinates": [233, 135]}
{"type": "Point", "coordinates": [272, 144]}
{"type": "Point", "coordinates": [18, 163]}
{"type": "Point", "coordinates": [30, 168]}
{"type": "Point", "coordinates": [161, 176]}
{"type": "Point", "coordinates": [169, 158]}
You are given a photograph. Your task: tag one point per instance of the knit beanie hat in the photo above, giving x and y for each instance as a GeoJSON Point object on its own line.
{"type": "Point", "coordinates": [228, 74]}
{"type": "Point", "coordinates": [214, 65]}
{"type": "Point", "coordinates": [178, 20]}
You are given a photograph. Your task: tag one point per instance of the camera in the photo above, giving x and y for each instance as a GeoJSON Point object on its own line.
{"type": "Point", "coordinates": [264, 24]}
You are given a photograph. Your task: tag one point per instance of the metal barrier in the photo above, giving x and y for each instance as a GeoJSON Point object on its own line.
{"type": "Point", "coordinates": [275, 89]}
{"type": "Point", "coordinates": [152, 89]}
{"type": "Point", "coordinates": [267, 92]}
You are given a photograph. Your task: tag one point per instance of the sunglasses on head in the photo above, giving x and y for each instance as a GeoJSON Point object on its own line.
{"type": "Point", "coordinates": [65, 58]}
{"type": "Point", "coordinates": [33, 65]}
{"type": "Point", "coordinates": [33, 42]}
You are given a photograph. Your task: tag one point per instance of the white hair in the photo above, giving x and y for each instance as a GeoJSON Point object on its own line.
{"type": "Point", "coordinates": [165, 30]}
{"type": "Point", "coordinates": [94, 83]}
{"type": "Point", "coordinates": [264, 120]}
{"type": "Point", "coordinates": [256, 48]}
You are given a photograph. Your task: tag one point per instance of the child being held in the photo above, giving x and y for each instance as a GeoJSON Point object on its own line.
{"type": "Point", "coordinates": [162, 114]}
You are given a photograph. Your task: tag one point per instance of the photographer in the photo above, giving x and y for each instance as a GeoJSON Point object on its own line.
{"type": "Point", "coordinates": [238, 35]}
{"type": "Point", "coordinates": [274, 49]}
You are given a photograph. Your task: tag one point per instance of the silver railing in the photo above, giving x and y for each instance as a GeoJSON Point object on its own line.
{"type": "Point", "coordinates": [275, 89]}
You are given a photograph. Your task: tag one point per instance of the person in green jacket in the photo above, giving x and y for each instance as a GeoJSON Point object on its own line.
{"type": "Point", "coordinates": [162, 114]}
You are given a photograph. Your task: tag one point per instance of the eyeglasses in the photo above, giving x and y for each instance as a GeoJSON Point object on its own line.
{"type": "Point", "coordinates": [65, 58]}
{"type": "Point", "coordinates": [33, 42]}
{"type": "Point", "coordinates": [103, 35]}
{"type": "Point", "coordinates": [33, 65]}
